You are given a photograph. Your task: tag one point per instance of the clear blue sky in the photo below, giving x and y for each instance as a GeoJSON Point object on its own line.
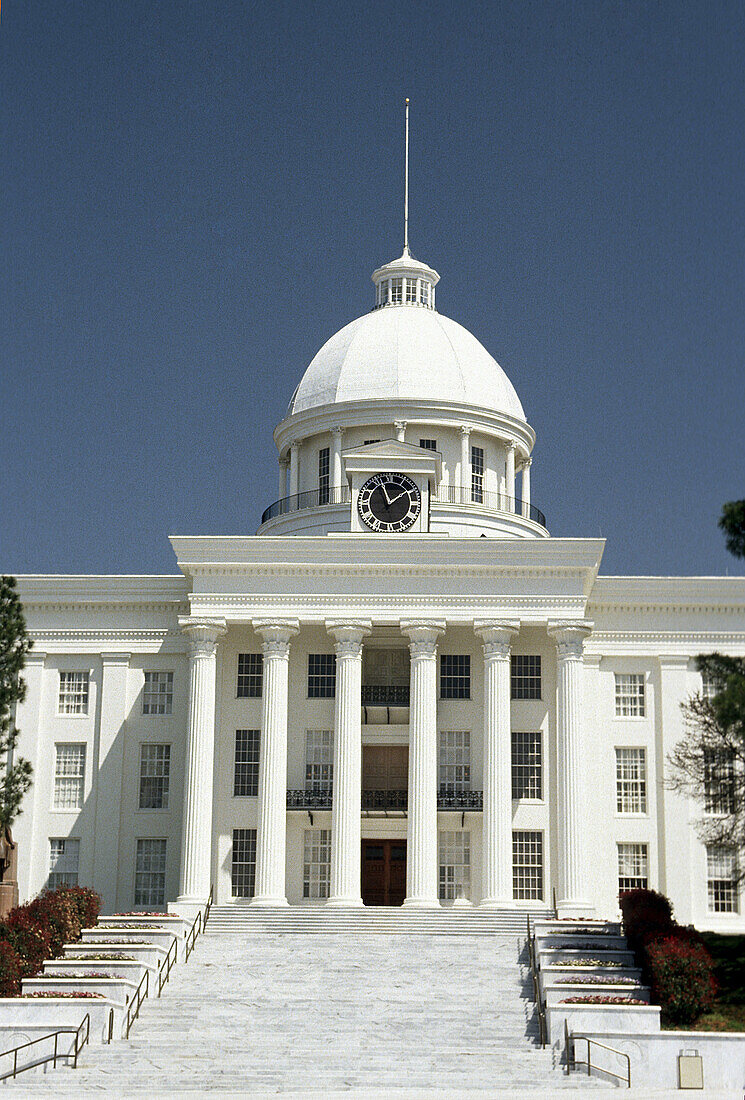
{"type": "Point", "coordinates": [194, 196]}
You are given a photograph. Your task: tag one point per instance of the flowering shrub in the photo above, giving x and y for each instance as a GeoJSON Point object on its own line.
{"type": "Point", "coordinates": [132, 926]}
{"type": "Point", "coordinates": [601, 999]}
{"type": "Point", "coordinates": [113, 956]}
{"type": "Point", "coordinates": [682, 976]}
{"type": "Point", "coordinates": [588, 962]}
{"type": "Point", "coordinates": [579, 946]}
{"type": "Point", "coordinates": [82, 976]}
{"type": "Point", "coordinates": [86, 901]}
{"type": "Point", "coordinates": [10, 970]}
{"type": "Point", "coordinates": [76, 993]}
{"type": "Point", "coordinates": [597, 979]}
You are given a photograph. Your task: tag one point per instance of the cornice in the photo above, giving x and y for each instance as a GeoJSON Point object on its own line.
{"type": "Point", "coordinates": [665, 643]}
{"type": "Point", "coordinates": [80, 591]}
{"type": "Point", "coordinates": [464, 608]}
{"type": "Point", "coordinates": [700, 594]}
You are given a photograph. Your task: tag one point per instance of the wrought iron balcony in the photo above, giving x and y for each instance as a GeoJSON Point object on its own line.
{"type": "Point", "coordinates": [309, 800]}
{"type": "Point", "coordinates": [375, 695]}
{"type": "Point", "coordinates": [386, 800]}
{"type": "Point", "coordinates": [462, 495]}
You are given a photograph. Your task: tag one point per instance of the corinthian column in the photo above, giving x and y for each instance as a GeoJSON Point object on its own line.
{"type": "Point", "coordinates": [196, 840]}
{"type": "Point", "coordinates": [573, 870]}
{"type": "Point", "coordinates": [271, 833]}
{"type": "Point", "coordinates": [346, 842]}
{"type": "Point", "coordinates": [496, 880]}
{"type": "Point", "coordinates": [421, 853]}
{"type": "Point", "coordinates": [337, 433]}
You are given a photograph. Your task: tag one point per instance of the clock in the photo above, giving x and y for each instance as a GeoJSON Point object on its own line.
{"type": "Point", "coordinates": [389, 503]}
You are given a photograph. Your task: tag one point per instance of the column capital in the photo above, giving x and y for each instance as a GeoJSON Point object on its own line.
{"type": "Point", "coordinates": [496, 630]}
{"type": "Point", "coordinates": [348, 635]}
{"type": "Point", "coordinates": [202, 633]}
{"type": "Point", "coordinates": [338, 430]}
{"type": "Point", "coordinates": [295, 445]}
{"type": "Point", "coordinates": [423, 635]}
{"type": "Point", "coordinates": [511, 445]}
{"type": "Point", "coordinates": [465, 429]}
{"type": "Point", "coordinates": [283, 460]}
{"type": "Point", "coordinates": [400, 428]}
{"type": "Point", "coordinates": [570, 637]}
{"type": "Point", "coordinates": [527, 463]}
{"type": "Point", "coordinates": [276, 634]}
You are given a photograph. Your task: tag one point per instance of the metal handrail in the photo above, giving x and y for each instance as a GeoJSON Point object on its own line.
{"type": "Point", "coordinates": [386, 695]}
{"type": "Point", "coordinates": [447, 799]}
{"type": "Point", "coordinates": [164, 971]}
{"type": "Point", "coordinates": [208, 906]}
{"type": "Point", "coordinates": [76, 1049]}
{"type": "Point", "coordinates": [191, 936]}
{"type": "Point", "coordinates": [540, 1005]}
{"type": "Point", "coordinates": [133, 1009]}
{"type": "Point", "coordinates": [570, 1039]}
{"type": "Point", "coordinates": [312, 498]}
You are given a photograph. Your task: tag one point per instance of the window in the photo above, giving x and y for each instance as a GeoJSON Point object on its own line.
{"type": "Point", "coordinates": [629, 695]}
{"type": "Point", "coordinates": [69, 776]}
{"type": "Point", "coordinates": [425, 288]}
{"type": "Point", "coordinates": [428, 444]}
{"type": "Point", "coordinates": [250, 675]}
{"type": "Point", "coordinates": [631, 781]}
{"type": "Point", "coordinates": [721, 877]}
{"type": "Point", "coordinates": [396, 291]}
{"type": "Point", "coordinates": [243, 865]}
{"type": "Point", "coordinates": [383, 292]}
{"type": "Point", "coordinates": [525, 676]}
{"type": "Point", "coordinates": [411, 291]}
{"type": "Point", "coordinates": [454, 761]}
{"type": "Point", "coordinates": [150, 872]}
{"type": "Point", "coordinates": [527, 866]}
{"type": "Point", "coordinates": [526, 765]}
{"type": "Point", "coordinates": [455, 866]}
{"type": "Point", "coordinates": [633, 871]}
{"type": "Point", "coordinates": [317, 863]}
{"type": "Point", "coordinates": [477, 475]}
{"type": "Point", "coordinates": [155, 775]}
{"type": "Point", "coordinates": [64, 855]}
{"type": "Point", "coordinates": [369, 441]}
{"type": "Point", "coordinates": [710, 686]}
{"type": "Point", "coordinates": [319, 774]}
{"type": "Point", "coordinates": [455, 676]}
{"type": "Point", "coordinates": [73, 693]}
{"type": "Point", "coordinates": [321, 675]}
{"type": "Point", "coordinates": [719, 781]}
{"type": "Point", "coordinates": [157, 695]}
{"type": "Point", "coordinates": [246, 773]}
{"type": "Point", "coordinates": [323, 475]}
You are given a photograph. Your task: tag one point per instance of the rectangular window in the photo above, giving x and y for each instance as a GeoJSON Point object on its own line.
{"type": "Point", "coordinates": [243, 863]}
{"type": "Point", "coordinates": [64, 855]}
{"type": "Point", "coordinates": [633, 867]}
{"type": "Point", "coordinates": [383, 292]}
{"type": "Point", "coordinates": [316, 863]}
{"type": "Point", "coordinates": [525, 676]}
{"type": "Point", "coordinates": [368, 441]}
{"type": "Point", "coordinates": [321, 675]}
{"type": "Point", "coordinates": [710, 686]}
{"type": "Point", "coordinates": [527, 866]}
{"type": "Point", "coordinates": [150, 872]}
{"type": "Point", "coordinates": [477, 475]}
{"type": "Point", "coordinates": [73, 693]}
{"type": "Point", "coordinates": [250, 675]}
{"type": "Point", "coordinates": [721, 877]}
{"type": "Point", "coordinates": [319, 750]}
{"type": "Point", "coordinates": [454, 761]}
{"type": "Point", "coordinates": [631, 781]}
{"type": "Point", "coordinates": [246, 773]}
{"type": "Point", "coordinates": [630, 695]}
{"type": "Point", "coordinates": [455, 865]}
{"type": "Point", "coordinates": [455, 676]}
{"type": "Point", "coordinates": [157, 694]}
{"type": "Point", "coordinates": [428, 444]}
{"type": "Point", "coordinates": [323, 475]}
{"type": "Point", "coordinates": [719, 781]}
{"type": "Point", "coordinates": [69, 777]}
{"type": "Point", "coordinates": [396, 291]}
{"type": "Point", "coordinates": [155, 776]}
{"type": "Point", "coordinates": [527, 780]}
{"type": "Point", "coordinates": [411, 291]}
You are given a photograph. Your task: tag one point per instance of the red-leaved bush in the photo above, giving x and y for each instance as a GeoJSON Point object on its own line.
{"type": "Point", "coordinates": [10, 970]}
{"type": "Point", "coordinates": [86, 901]}
{"type": "Point", "coordinates": [646, 915]}
{"type": "Point", "coordinates": [58, 913]}
{"type": "Point", "coordinates": [31, 940]}
{"type": "Point", "coordinates": [682, 977]}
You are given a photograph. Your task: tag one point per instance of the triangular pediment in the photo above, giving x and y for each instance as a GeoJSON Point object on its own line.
{"type": "Point", "coordinates": [388, 448]}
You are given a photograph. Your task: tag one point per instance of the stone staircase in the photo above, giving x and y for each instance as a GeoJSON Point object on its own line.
{"type": "Point", "coordinates": [381, 920]}
{"type": "Point", "coordinates": [263, 1012]}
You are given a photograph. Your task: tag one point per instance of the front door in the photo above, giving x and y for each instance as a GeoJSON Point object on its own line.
{"type": "Point", "coordinates": [383, 872]}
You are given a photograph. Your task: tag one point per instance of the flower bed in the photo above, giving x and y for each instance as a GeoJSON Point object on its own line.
{"type": "Point", "coordinates": [596, 979]}
{"type": "Point", "coordinates": [601, 999]}
{"type": "Point", "coordinates": [566, 963]}
{"type": "Point", "coordinates": [52, 993]}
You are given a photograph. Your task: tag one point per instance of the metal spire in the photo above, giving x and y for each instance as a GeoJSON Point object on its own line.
{"type": "Point", "coordinates": [406, 187]}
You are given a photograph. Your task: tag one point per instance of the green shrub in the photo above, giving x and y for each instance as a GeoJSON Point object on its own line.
{"type": "Point", "coordinates": [682, 976]}
{"type": "Point", "coordinates": [647, 915]}
{"type": "Point", "coordinates": [10, 970]}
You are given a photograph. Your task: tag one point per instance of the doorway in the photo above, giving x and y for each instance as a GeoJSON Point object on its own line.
{"type": "Point", "coordinates": [383, 872]}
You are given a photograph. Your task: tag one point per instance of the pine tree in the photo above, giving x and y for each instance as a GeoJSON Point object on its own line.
{"type": "Point", "coordinates": [14, 645]}
{"type": "Point", "coordinates": [732, 522]}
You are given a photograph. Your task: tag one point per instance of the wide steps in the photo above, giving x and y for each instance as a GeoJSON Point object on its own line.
{"type": "Point", "coordinates": [370, 919]}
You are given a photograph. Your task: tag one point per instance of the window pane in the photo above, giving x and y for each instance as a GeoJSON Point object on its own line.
{"type": "Point", "coordinates": [155, 776]}
{"type": "Point", "coordinates": [150, 872]}
{"type": "Point", "coordinates": [630, 695]}
{"type": "Point", "coordinates": [454, 761]}
{"type": "Point", "coordinates": [455, 676]}
{"type": "Point", "coordinates": [633, 871]}
{"type": "Point", "coordinates": [321, 675]}
{"type": "Point", "coordinates": [477, 475]}
{"type": "Point", "coordinates": [323, 475]}
{"type": "Point", "coordinates": [525, 676]}
{"type": "Point", "coordinates": [64, 856]}
{"type": "Point", "coordinates": [455, 865]}
{"type": "Point", "coordinates": [319, 761]}
{"type": "Point", "coordinates": [69, 777]}
{"type": "Point", "coordinates": [631, 781]}
{"type": "Point", "coordinates": [243, 865]}
{"type": "Point", "coordinates": [246, 773]}
{"type": "Point", "coordinates": [527, 866]}
{"type": "Point", "coordinates": [316, 863]}
{"type": "Point", "coordinates": [157, 694]}
{"type": "Point", "coordinates": [526, 764]}
{"type": "Point", "coordinates": [721, 870]}
{"type": "Point", "coordinates": [250, 675]}
{"type": "Point", "coordinates": [73, 693]}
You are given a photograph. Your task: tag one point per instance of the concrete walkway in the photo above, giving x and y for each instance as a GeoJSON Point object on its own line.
{"type": "Point", "coordinates": [305, 1014]}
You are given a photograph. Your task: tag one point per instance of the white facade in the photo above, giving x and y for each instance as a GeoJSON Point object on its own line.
{"type": "Point", "coordinates": [450, 707]}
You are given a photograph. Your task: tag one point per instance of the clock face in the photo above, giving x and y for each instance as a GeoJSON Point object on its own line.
{"type": "Point", "coordinates": [389, 503]}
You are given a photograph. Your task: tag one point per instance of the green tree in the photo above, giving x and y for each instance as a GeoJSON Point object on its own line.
{"type": "Point", "coordinates": [14, 645]}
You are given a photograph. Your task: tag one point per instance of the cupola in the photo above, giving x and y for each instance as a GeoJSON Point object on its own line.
{"type": "Point", "coordinates": [405, 282]}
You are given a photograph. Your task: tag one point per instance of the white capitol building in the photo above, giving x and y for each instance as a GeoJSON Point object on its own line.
{"type": "Point", "coordinates": [400, 691]}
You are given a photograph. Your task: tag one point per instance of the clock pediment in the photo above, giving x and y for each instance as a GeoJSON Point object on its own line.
{"type": "Point", "coordinates": [391, 455]}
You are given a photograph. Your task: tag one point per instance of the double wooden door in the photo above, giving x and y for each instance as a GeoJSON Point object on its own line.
{"type": "Point", "coordinates": [383, 872]}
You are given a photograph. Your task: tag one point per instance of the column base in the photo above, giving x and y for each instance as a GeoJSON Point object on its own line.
{"type": "Point", "coordinates": [569, 907]}
{"type": "Point", "coordinates": [186, 907]}
{"type": "Point", "coordinates": [422, 903]}
{"type": "Point", "coordinates": [344, 903]}
{"type": "Point", "coordinates": [497, 903]}
{"type": "Point", "coordinates": [268, 902]}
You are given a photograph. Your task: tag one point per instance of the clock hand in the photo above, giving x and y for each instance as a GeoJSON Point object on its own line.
{"type": "Point", "coordinates": [398, 496]}
{"type": "Point", "coordinates": [385, 494]}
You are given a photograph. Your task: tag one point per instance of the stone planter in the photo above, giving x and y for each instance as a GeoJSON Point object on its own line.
{"type": "Point", "coordinates": [548, 974]}
{"type": "Point", "coordinates": [550, 956]}
{"type": "Point", "coordinates": [161, 937]}
{"type": "Point", "coordinates": [559, 927]}
{"type": "Point", "coordinates": [118, 990]}
{"type": "Point", "coordinates": [16, 1013]}
{"type": "Point", "coordinates": [601, 1019]}
{"type": "Point", "coordinates": [149, 953]}
{"type": "Point", "coordinates": [165, 923]}
{"type": "Point", "coordinates": [132, 971]}
{"type": "Point", "coordinates": [553, 994]}
{"type": "Point", "coordinates": [550, 941]}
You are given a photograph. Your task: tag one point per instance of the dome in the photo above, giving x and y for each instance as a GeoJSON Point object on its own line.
{"type": "Point", "coordinates": [406, 353]}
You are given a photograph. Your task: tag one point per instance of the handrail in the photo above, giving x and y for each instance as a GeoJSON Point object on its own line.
{"type": "Point", "coordinates": [208, 906]}
{"type": "Point", "coordinates": [76, 1049]}
{"type": "Point", "coordinates": [570, 1039]}
{"type": "Point", "coordinates": [199, 925]}
{"type": "Point", "coordinates": [133, 1009]}
{"type": "Point", "coordinates": [553, 894]}
{"type": "Point", "coordinates": [164, 971]}
{"type": "Point", "coordinates": [537, 997]}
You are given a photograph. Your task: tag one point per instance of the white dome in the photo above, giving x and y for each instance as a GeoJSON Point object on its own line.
{"type": "Point", "coordinates": [406, 353]}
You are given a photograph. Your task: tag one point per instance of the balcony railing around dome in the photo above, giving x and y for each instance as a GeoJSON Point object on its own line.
{"type": "Point", "coordinates": [447, 799]}
{"type": "Point", "coordinates": [445, 494]}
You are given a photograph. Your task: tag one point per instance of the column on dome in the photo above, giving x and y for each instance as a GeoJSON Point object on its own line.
{"type": "Point", "coordinates": [196, 841]}
{"type": "Point", "coordinates": [346, 838]}
{"type": "Point", "coordinates": [465, 462]}
{"type": "Point", "coordinates": [496, 889]}
{"type": "Point", "coordinates": [282, 479]}
{"type": "Point", "coordinates": [294, 468]}
{"type": "Point", "coordinates": [573, 869]}
{"type": "Point", "coordinates": [271, 832]}
{"type": "Point", "coordinates": [526, 487]}
{"type": "Point", "coordinates": [421, 853]}
{"type": "Point", "coordinates": [337, 433]}
{"type": "Point", "coordinates": [510, 483]}
{"type": "Point", "coordinates": [400, 429]}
